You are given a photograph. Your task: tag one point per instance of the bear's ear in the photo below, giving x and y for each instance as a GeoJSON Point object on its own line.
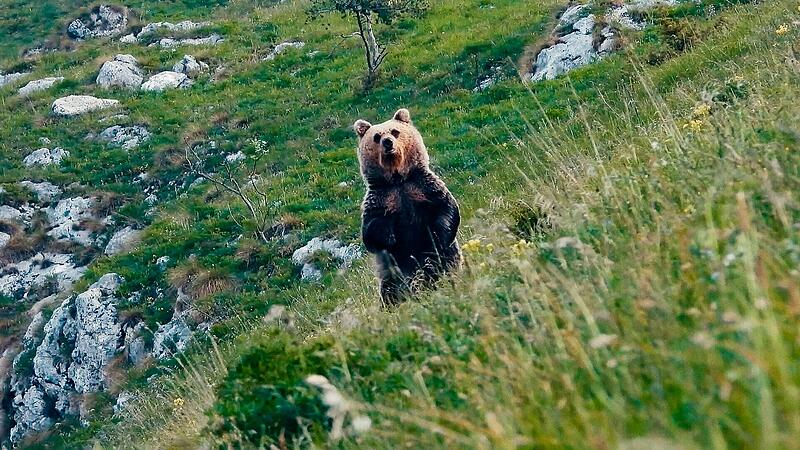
{"type": "Point", "coordinates": [361, 127]}
{"type": "Point", "coordinates": [403, 115]}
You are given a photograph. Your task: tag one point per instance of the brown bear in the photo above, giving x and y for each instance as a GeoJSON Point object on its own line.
{"type": "Point", "coordinates": [409, 219]}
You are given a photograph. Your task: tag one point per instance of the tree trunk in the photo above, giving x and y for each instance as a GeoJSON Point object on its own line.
{"type": "Point", "coordinates": [372, 51]}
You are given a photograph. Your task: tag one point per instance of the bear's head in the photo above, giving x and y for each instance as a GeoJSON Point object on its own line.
{"type": "Point", "coordinates": [390, 149]}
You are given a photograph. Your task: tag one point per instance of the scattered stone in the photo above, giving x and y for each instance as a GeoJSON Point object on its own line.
{"type": "Point", "coordinates": [104, 20]}
{"type": "Point", "coordinates": [128, 39]}
{"type": "Point", "coordinates": [12, 214]}
{"type": "Point", "coordinates": [168, 43]}
{"type": "Point", "coordinates": [167, 80]}
{"type": "Point", "coordinates": [135, 344]}
{"type": "Point", "coordinates": [235, 157]}
{"type": "Point", "coordinates": [45, 157]}
{"type": "Point", "coordinates": [39, 85]}
{"type": "Point", "coordinates": [66, 217]}
{"type": "Point", "coordinates": [282, 47]}
{"type": "Point", "coordinates": [123, 241]}
{"type": "Point", "coordinates": [45, 191]}
{"type": "Point", "coordinates": [4, 238]}
{"type": "Point", "coordinates": [16, 280]}
{"type": "Point", "coordinates": [74, 105]}
{"type": "Point", "coordinates": [11, 77]}
{"type": "Point", "coordinates": [189, 65]}
{"type": "Point", "coordinates": [122, 401]}
{"type": "Point", "coordinates": [162, 262]}
{"type": "Point", "coordinates": [151, 200]}
{"type": "Point", "coordinates": [125, 137]}
{"type": "Point", "coordinates": [180, 27]}
{"type": "Point", "coordinates": [173, 336]}
{"type": "Point", "coordinates": [304, 256]}
{"type": "Point", "coordinates": [122, 71]}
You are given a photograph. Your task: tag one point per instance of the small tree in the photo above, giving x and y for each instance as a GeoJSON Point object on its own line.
{"type": "Point", "coordinates": [255, 199]}
{"type": "Point", "coordinates": [366, 14]}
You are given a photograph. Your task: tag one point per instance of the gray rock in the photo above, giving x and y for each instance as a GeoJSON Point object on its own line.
{"type": "Point", "coordinates": [303, 256]}
{"type": "Point", "coordinates": [125, 137]}
{"type": "Point", "coordinates": [180, 27]}
{"type": "Point", "coordinates": [167, 80]}
{"type": "Point", "coordinates": [97, 334]}
{"type": "Point", "coordinates": [128, 39]}
{"type": "Point", "coordinates": [74, 105]}
{"type": "Point", "coordinates": [189, 65]}
{"type": "Point", "coordinates": [11, 214]}
{"type": "Point", "coordinates": [174, 334]}
{"type": "Point", "coordinates": [123, 400]}
{"type": "Point", "coordinates": [45, 191]}
{"type": "Point", "coordinates": [235, 157]}
{"type": "Point", "coordinates": [39, 85]}
{"type": "Point", "coordinates": [168, 43]}
{"type": "Point", "coordinates": [65, 219]}
{"type": "Point", "coordinates": [282, 47]}
{"type": "Point", "coordinates": [573, 50]}
{"type": "Point", "coordinates": [135, 344]}
{"type": "Point", "coordinates": [104, 20]}
{"type": "Point", "coordinates": [162, 262]}
{"type": "Point", "coordinates": [122, 71]}
{"type": "Point", "coordinates": [77, 344]}
{"type": "Point", "coordinates": [123, 241]}
{"type": "Point", "coordinates": [16, 280]}
{"type": "Point", "coordinates": [31, 413]}
{"type": "Point", "coordinates": [11, 77]}
{"type": "Point", "coordinates": [45, 156]}
{"type": "Point", "coordinates": [4, 238]}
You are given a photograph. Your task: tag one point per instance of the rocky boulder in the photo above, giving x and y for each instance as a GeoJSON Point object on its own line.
{"type": "Point", "coordinates": [189, 65]}
{"type": "Point", "coordinates": [39, 85]}
{"type": "Point", "coordinates": [45, 157]}
{"type": "Point", "coordinates": [45, 191]}
{"type": "Point", "coordinates": [180, 27]}
{"type": "Point", "coordinates": [102, 21]}
{"type": "Point", "coordinates": [122, 71]}
{"type": "Point", "coordinates": [78, 342]}
{"type": "Point", "coordinates": [65, 219]}
{"type": "Point", "coordinates": [74, 105]}
{"type": "Point", "coordinates": [11, 77]}
{"type": "Point", "coordinates": [125, 137]}
{"type": "Point", "coordinates": [172, 337]}
{"type": "Point", "coordinates": [580, 38]}
{"type": "Point", "coordinates": [282, 47]}
{"type": "Point", "coordinates": [16, 280]}
{"type": "Point", "coordinates": [167, 80]}
{"type": "Point", "coordinates": [304, 256]}
{"type": "Point", "coordinates": [4, 238]}
{"type": "Point", "coordinates": [168, 43]}
{"type": "Point", "coordinates": [122, 241]}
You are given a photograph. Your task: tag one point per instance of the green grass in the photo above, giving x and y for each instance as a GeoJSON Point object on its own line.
{"type": "Point", "coordinates": [653, 299]}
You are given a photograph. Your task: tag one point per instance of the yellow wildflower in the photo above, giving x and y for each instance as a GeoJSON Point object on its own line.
{"type": "Point", "coordinates": [178, 403]}
{"type": "Point", "coordinates": [520, 247]}
{"type": "Point", "coordinates": [701, 110]}
{"type": "Point", "coordinates": [694, 125]}
{"type": "Point", "coordinates": [473, 245]}
{"type": "Point", "coordinates": [490, 248]}
{"type": "Point", "coordinates": [783, 29]}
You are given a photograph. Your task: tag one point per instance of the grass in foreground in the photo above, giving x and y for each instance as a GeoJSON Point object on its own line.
{"type": "Point", "coordinates": [641, 292]}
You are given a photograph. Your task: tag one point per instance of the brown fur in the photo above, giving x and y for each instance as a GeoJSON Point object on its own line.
{"type": "Point", "coordinates": [409, 218]}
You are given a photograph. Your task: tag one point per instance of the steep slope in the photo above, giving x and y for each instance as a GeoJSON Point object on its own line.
{"type": "Point", "coordinates": [631, 230]}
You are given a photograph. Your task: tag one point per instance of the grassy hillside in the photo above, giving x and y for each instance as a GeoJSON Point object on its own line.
{"type": "Point", "coordinates": [631, 233]}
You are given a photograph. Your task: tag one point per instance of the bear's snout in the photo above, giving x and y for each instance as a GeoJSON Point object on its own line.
{"type": "Point", "coordinates": [388, 146]}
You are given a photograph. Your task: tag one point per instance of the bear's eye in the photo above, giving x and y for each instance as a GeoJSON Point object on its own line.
{"type": "Point", "coordinates": [376, 138]}
{"type": "Point", "coordinates": [396, 133]}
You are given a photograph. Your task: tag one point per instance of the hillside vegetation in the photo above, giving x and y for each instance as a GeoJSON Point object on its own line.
{"type": "Point", "coordinates": [631, 231]}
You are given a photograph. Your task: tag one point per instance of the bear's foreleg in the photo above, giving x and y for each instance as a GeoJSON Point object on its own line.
{"type": "Point", "coordinates": [377, 232]}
